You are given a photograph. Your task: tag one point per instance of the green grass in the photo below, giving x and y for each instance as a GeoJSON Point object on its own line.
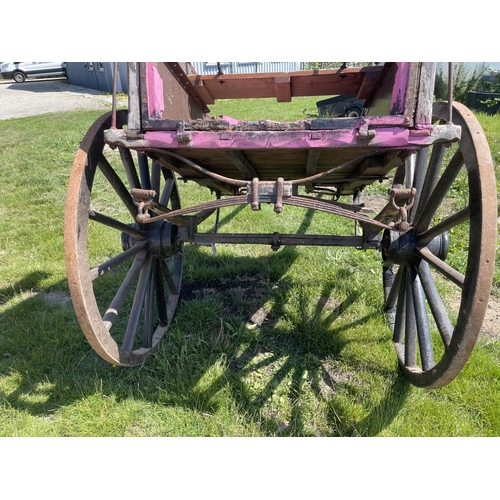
{"type": "Point", "coordinates": [299, 108]}
{"type": "Point", "coordinates": [321, 363]}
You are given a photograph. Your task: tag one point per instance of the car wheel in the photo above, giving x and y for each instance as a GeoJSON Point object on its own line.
{"type": "Point", "coordinates": [353, 112]}
{"type": "Point", "coordinates": [19, 77]}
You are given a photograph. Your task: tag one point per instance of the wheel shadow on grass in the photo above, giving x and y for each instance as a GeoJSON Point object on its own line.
{"type": "Point", "coordinates": [284, 371]}
{"type": "Point", "coordinates": [249, 339]}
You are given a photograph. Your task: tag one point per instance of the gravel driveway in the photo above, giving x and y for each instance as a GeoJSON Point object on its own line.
{"type": "Point", "coordinates": [47, 96]}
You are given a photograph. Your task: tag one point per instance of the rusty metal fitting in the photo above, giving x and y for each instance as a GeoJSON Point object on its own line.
{"type": "Point", "coordinates": [278, 206]}
{"type": "Point", "coordinates": [276, 244]}
{"type": "Point", "coordinates": [255, 194]}
{"type": "Point", "coordinates": [402, 223]}
{"type": "Point", "coordinates": [142, 199]}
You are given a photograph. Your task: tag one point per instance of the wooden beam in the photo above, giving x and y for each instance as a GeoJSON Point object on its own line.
{"type": "Point", "coordinates": [312, 161]}
{"type": "Point", "coordinates": [242, 164]}
{"type": "Point", "coordinates": [282, 88]}
{"type": "Point", "coordinates": [302, 83]}
{"type": "Point", "coordinates": [205, 94]}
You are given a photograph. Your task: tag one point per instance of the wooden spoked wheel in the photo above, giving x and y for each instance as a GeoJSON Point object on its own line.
{"type": "Point", "coordinates": [438, 274]}
{"type": "Point", "coordinates": [124, 276]}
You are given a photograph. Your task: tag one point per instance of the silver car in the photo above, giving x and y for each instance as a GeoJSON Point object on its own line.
{"type": "Point", "coordinates": [20, 71]}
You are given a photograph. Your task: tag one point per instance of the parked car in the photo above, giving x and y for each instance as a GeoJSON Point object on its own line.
{"type": "Point", "coordinates": [342, 105]}
{"type": "Point", "coordinates": [20, 71]}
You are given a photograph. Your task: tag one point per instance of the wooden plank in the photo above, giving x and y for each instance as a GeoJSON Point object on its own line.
{"type": "Point", "coordinates": [204, 92]}
{"type": "Point", "coordinates": [425, 94]}
{"type": "Point", "coordinates": [302, 83]}
{"type": "Point", "coordinates": [312, 161]}
{"type": "Point", "coordinates": [179, 102]}
{"type": "Point", "coordinates": [282, 89]}
{"type": "Point", "coordinates": [372, 81]}
{"type": "Point", "coordinates": [241, 162]}
{"type": "Point", "coordinates": [134, 97]}
{"type": "Point", "coordinates": [187, 85]}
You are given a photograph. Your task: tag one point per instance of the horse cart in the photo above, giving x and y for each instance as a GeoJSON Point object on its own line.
{"type": "Point", "coordinates": [123, 198]}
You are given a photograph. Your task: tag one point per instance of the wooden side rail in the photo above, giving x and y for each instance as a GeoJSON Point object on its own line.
{"type": "Point", "coordinates": [284, 86]}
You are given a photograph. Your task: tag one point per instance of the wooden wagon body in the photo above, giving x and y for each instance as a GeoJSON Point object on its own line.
{"type": "Point", "coordinates": [402, 136]}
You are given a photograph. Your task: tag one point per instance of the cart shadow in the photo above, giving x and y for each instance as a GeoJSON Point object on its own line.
{"type": "Point", "coordinates": [51, 366]}
{"type": "Point", "coordinates": [300, 361]}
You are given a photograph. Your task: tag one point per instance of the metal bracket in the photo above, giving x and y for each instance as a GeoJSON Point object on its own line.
{"type": "Point", "coordinates": [276, 244]}
{"type": "Point", "coordinates": [402, 223]}
{"type": "Point", "coordinates": [142, 198]}
{"type": "Point", "coordinates": [364, 133]}
{"type": "Point", "coordinates": [182, 135]}
{"type": "Point", "coordinates": [269, 192]}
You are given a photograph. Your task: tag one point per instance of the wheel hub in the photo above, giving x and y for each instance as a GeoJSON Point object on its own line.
{"type": "Point", "coordinates": [161, 237]}
{"type": "Point", "coordinates": [399, 248]}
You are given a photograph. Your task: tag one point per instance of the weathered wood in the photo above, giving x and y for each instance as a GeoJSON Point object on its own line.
{"type": "Point", "coordinates": [167, 93]}
{"type": "Point", "coordinates": [204, 92]}
{"type": "Point", "coordinates": [282, 88]}
{"type": "Point", "coordinates": [372, 83]}
{"type": "Point", "coordinates": [271, 125]}
{"type": "Point", "coordinates": [134, 117]}
{"type": "Point", "coordinates": [312, 161]}
{"type": "Point", "coordinates": [242, 163]}
{"type": "Point", "coordinates": [425, 101]}
{"type": "Point", "coordinates": [186, 83]}
{"type": "Point", "coordinates": [302, 83]}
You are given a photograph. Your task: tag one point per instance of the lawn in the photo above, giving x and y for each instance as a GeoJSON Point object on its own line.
{"type": "Point", "coordinates": [287, 343]}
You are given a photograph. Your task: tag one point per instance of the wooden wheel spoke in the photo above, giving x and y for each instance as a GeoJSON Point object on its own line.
{"type": "Point", "coordinates": [436, 304]}
{"type": "Point", "coordinates": [167, 191]}
{"type": "Point", "coordinates": [137, 305]}
{"type": "Point", "coordinates": [149, 313]}
{"type": "Point", "coordinates": [116, 224]}
{"type": "Point", "coordinates": [431, 177]}
{"type": "Point", "coordinates": [169, 280]}
{"type": "Point", "coordinates": [439, 192]}
{"type": "Point", "coordinates": [418, 179]}
{"type": "Point", "coordinates": [441, 266]}
{"type": "Point", "coordinates": [160, 295]}
{"type": "Point", "coordinates": [155, 179]}
{"type": "Point", "coordinates": [117, 260]}
{"type": "Point", "coordinates": [422, 322]}
{"type": "Point", "coordinates": [447, 224]}
{"type": "Point", "coordinates": [400, 320]}
{"type": "Point", "coordinates": [392, 297]}
{"type": "Point", "coordinates": [144, 171]}
{"type": "Point", "coordinates": [175, 201]}
{"type": "Point", "coordinates": [130, 169]}
{"type": "Point", "coordinates": [410, 359]}
{"type": "Point", "coordinates": [123, 291]}
{"type": "Point", "coordinates": [174, 297]}
{"type": "Point", "coordinates": [117, 185]}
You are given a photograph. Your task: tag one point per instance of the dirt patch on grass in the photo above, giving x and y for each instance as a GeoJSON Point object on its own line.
{"type": "Point", "coordinates": [375, 202]}
{"type": "Point", "coordinates": [242, 297]}
{"type": "Point", "coordinates": [57, 298]}
{"type": "Point", "coordinates": [490, 328]}
{"type": "Point", "coordinates": [52, 298]}
{"type": "Point", "coordinates": [245, 298]}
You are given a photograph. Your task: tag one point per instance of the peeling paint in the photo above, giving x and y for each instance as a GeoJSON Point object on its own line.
{"type": "Point", "coordinates": [156, 104]}
{"type": "Point", "coordinates": [400, 87]}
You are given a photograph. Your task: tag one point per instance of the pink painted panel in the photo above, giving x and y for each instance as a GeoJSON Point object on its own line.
{"type": "Point", "coordinates": [393, 137]}
{"type": "Point", "coordinates": [399, 88]}
{"type": "Point", "coordinates": [154, 84]}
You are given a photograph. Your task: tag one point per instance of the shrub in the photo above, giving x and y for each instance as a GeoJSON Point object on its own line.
{"type": "Point", "coordinates": [464, 80]}
{"type": "Point", "coordinates": [330, 65]}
